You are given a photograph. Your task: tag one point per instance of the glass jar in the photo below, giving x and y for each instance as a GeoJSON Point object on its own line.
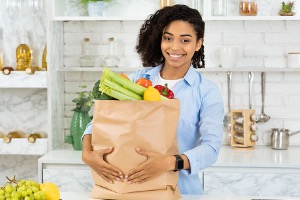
{"type": "Point", "coordinates": [237, 127]}
{"type": "Point", "coordinates": [111, 60]}
{"type": "Point", "coordinates": [238, 138]}
{"type": "Point", "coordinates": [248, 7]}
{"type": "Point", "coordinates": [86, 59]}
{"type": "Point", "coordinates": [219, 7]}
{"type": "Point", "coordinates": [164, 3]}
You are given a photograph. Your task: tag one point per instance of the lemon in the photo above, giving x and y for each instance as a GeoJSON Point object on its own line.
{"type": "Point", "coordinates": [51, 191]}
{"type": "Point", "coordinates": [151, 94]}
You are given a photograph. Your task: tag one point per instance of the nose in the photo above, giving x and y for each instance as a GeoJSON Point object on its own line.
{"type": "Point", "coordinates": [175, 45]}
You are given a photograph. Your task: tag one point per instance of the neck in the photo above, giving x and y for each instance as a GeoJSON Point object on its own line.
{"type": "Point", "coordinates": [173, 73]}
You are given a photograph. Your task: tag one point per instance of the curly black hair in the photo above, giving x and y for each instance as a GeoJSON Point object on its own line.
{"type": "Point", "coordinates": [150, 35]}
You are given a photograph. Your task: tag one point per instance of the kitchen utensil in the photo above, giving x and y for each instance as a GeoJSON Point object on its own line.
{"type": "Point", "coordinates": [262, 117]}
{"type": "Point", "coordinates": [250, 78]}
{"type": "Point", "coordinates": [280, 138]}
{"type": "Point", "coordinates": [226, 120]}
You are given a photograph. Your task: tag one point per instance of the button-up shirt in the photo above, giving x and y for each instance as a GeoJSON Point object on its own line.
{"type": "Point", "coordinates": [200, 130]}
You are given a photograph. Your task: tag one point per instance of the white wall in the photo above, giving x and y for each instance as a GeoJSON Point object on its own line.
{"type": "Point", "coordinates": [262, 44]}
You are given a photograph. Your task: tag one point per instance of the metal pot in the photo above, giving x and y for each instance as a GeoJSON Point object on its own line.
{"type": "Point", "coordinates": [280, 138]}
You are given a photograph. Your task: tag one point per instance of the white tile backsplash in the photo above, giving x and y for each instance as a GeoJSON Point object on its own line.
{"type": "Point", "coordinates": [261, 44]}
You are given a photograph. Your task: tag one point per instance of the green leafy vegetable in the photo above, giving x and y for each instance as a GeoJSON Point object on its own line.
{"type": "Point", "coordinates": [97, 95]}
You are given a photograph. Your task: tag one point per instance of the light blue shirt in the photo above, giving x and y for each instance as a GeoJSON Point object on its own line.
{"type": "Point", "coordinates": [199, 129]}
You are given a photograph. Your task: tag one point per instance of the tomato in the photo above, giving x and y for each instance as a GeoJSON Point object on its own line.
{"type": "Point", "coordinates": [144, 82]}
{"type": "Point", "coordinates": [151, 94]}
{"type": "Point", "coordinates": [124, 76]}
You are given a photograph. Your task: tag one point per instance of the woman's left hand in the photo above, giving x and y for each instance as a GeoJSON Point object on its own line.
{"type": "Point", "coordinates": [155, 165]}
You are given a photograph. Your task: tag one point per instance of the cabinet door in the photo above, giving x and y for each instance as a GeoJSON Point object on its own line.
{"type": "Point", "coordinates": [70, 180]}
{"type": "Point", "coordinates": [252, 184]}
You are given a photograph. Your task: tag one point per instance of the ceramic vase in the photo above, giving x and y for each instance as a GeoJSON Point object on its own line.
{"type": "Point", "coordinates": [77, 127]}
{"type": "Point", "coordinates": [95, 8]}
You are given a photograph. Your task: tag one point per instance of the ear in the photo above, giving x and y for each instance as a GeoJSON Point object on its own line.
{"type": "Point", "coordinates": [199, 44]}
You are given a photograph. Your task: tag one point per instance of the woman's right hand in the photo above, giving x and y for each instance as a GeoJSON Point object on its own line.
{"type": "Point", "coordinates": [95, 159]}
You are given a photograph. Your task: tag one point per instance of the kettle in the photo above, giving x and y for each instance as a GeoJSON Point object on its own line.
{"type": "Point", "coordinates": [280, 138]}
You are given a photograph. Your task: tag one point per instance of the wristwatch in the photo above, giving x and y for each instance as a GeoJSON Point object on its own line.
{"type": "Point", "coordinates": [179, 163]}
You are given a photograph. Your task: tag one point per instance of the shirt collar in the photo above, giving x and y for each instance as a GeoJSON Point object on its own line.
{"type": "Point", "coordinates": [189, 77]}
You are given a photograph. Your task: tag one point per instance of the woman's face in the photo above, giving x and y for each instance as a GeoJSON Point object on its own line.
{"type": "Point", "coordinates": [178, 44]}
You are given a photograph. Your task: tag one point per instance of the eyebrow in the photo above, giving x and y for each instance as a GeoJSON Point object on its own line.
{"type": "Point", "coordinates": [183, 35]}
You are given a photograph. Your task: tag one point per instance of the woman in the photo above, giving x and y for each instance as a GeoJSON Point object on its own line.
{"type": "Point", "coordinates": [171, 41]}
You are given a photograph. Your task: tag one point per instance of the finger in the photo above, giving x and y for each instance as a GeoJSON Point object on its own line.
{"type": "Point", "coordinates": [102, 152]}
{"type": "Point", "coordinates": [133, 175]}
{"type": "Point", "coordinates": [106, 178]}
{"type": "Point", "coordinates": [112, 171]}
{"type": "Point", "coordinates": [140, 178]}
{"type": "Point", "coordinates": [142, 152]}
{"type": "Point", "coordinates": [133, 172]}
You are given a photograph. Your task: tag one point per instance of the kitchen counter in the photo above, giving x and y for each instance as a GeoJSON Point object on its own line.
{"type": "Point", "coordinates": [84, 196]}
{"type": "Point", "coordinates": [258, 156]}
{"type": "Point", "coordinates": [257, 171]}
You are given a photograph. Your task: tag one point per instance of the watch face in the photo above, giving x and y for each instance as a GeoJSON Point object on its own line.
{"type": "Point", "coordinates": [179, 164]}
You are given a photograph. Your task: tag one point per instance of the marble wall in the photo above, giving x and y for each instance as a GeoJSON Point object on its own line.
{"type": "Point", "coordinates": [22, 108]}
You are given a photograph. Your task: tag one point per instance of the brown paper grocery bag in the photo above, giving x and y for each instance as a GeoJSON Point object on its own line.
{"type": "Point", "coordinates": [126, 125]}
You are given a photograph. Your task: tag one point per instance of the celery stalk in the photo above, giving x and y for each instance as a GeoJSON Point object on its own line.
{"type": "Point", "coordinates": [121, 89]}
{"type": "Point", "coordinates": [115, 94]}
{"type": "Point", "coordinates": [108, 74]}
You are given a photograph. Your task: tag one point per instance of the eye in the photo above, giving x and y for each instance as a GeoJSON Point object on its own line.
{"type": "Point", "coordinates": [185, 40]}
{"type": "Point", "coordinates": [167, 38]}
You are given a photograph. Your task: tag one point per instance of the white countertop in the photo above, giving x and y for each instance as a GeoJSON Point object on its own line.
{"type": "Point", "coordinates": [84, 196]}
{"type": "Point", "coordinates": [259, 156]}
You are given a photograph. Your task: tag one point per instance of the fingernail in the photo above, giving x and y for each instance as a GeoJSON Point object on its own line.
{"type": "Point", "coordinates": [117, 179]}
{"type": "Point", "coordinates": [138, 149]}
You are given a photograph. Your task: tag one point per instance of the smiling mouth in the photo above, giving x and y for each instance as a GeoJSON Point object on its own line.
{"type": "Point", "coordinates": [175, 56]}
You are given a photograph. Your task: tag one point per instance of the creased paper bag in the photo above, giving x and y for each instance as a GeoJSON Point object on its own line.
{"type": "Point", "coordinates": [126, 125]}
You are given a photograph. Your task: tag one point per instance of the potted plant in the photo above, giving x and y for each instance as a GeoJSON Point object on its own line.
{"type": "Point", "coordinates": [80, 118]}
{"type": "Point", "coordinates": [95, 7]}
{"type": "Point", "coordinates": [287, 8]}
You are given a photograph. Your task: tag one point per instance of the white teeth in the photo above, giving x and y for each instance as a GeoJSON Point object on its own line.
{"type": "Point", "coordinates": [175, 55]}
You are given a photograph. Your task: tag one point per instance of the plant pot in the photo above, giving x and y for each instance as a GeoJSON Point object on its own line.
{"type": "Point", "coordinates": [77, 127]}
{"type": "Point", "coordinates": [96, 8]}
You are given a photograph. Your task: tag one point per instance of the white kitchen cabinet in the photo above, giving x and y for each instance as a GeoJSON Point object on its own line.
{"type": "Point", "coordinates": [261, 171]}
{"type": "Point", "coordinates": [69, 179]}
{"type": "Point", "coordinates": [263, 183]}
{"type": "Point", "coordinates": [65, 168]}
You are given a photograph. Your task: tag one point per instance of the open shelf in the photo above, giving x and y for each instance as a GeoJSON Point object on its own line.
{"type": "Point", "coordinates": [19, 79]}
{"type": "Point", "coordinates": [21, 146]}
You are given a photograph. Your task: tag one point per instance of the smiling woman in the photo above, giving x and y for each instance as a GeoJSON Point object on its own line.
{"type": "Point", "coordinates": [170, 44]}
